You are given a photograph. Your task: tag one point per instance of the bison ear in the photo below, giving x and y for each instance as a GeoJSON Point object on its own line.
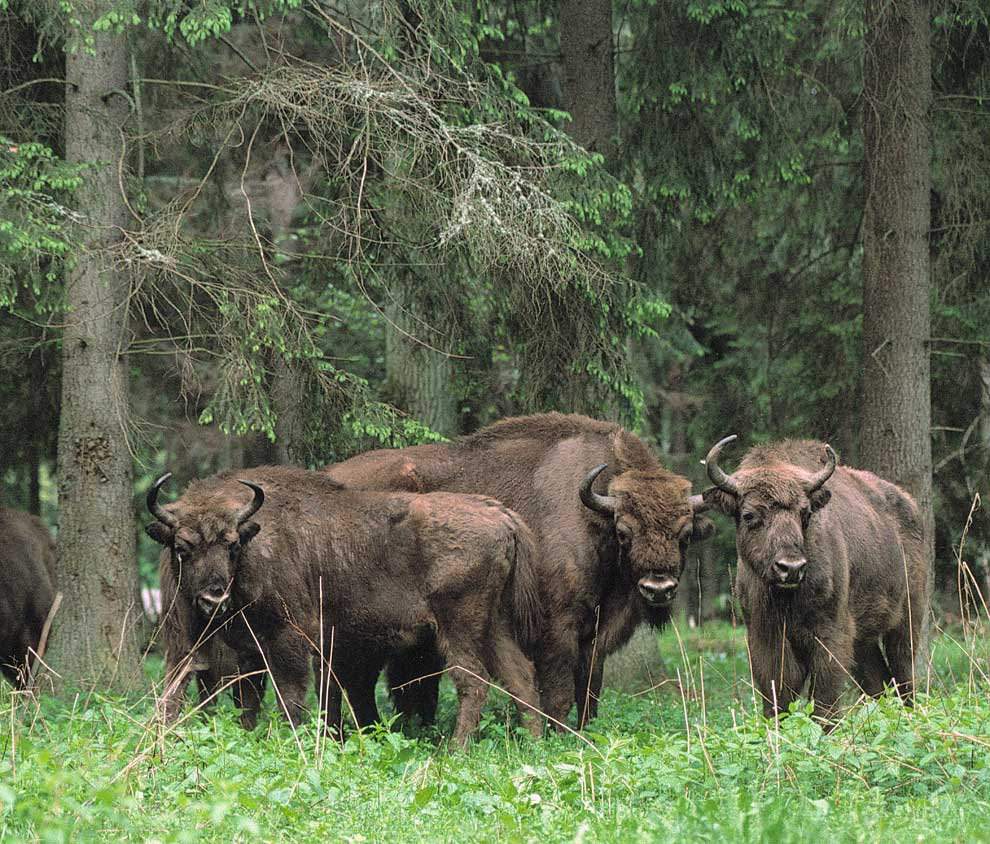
{"type": "Point", "coordinates": [719, 499]}
{"type": "Point", "coordinates": [162, 534]}
{"type": "Point", "coordinates": [819, 498]}
{"type": "Point", "coordinates": [247, 532]}
{"type": "Point", "coordinates": [702, 529]}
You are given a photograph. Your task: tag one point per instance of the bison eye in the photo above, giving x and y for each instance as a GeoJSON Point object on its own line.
{"type": "Point", "coordinates": [750, 518]}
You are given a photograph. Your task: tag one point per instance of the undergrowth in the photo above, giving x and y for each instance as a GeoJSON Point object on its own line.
{"type": "Point", "coordinates": [686, 756]}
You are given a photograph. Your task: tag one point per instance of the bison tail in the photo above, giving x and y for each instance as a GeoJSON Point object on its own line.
{"type": "Point", "coordinates": [527, 613]}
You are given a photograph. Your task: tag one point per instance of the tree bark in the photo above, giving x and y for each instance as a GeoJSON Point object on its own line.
{"type": "Point", "coordinates": [589, 74]}
{"type": "Point", "coordinates": [94, 641]}
{"type": "Point", "coordinates": [418, 379]}
{"type": "Point", "coordinates": [896, 428]}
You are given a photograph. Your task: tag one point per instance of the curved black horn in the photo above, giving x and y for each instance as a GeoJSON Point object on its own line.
{"type": "Point", "coordinates": [155, 508]}
{"type": "Point", "coordinates": [249, 510]}
{"type": "Point", "coordinates": [718, 477]}
{"type": "Point", "coordinates": [818, 479]}
{"type": "Point", "coordinates": [604, 504]}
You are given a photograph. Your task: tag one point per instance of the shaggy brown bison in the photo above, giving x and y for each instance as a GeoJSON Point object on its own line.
{"type": "Point", "coordinates": [383, 571]}
{"type": "Point", "coordinates": [192, 649]}
{"type": "Point", "coordinates": [612, 527]}
{"type": "Point", "coordinates": [27, 562]}
{"type": "Point", "coordinates": [831, 563]}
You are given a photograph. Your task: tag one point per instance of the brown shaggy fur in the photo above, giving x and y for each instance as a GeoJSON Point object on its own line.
{"type": "Point", "coordinates": [27, 575]}
{"type": "Point", "coordinates": [384, 571]}
{"type": "Point", "coordinates": [588, 577]}
{"type": "Point", "coordinates": [866, 580]}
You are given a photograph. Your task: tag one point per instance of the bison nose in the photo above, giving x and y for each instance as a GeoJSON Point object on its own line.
{"type": "Point", "coordinates": [213, 600]}
{"type": "Point", "coordinates": [658, 590]}
{"type": "Point", "coordinates": [789, 570]}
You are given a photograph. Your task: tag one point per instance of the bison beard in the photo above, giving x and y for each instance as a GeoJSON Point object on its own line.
{"type": "Point", "coordinates": [27, 562]}
{"type": "Point", "coordinates": [383, 572]}
{"type": "Point", "coordinates": [832, 563]}
{"type": "Point", "coordinates": [608, 560]}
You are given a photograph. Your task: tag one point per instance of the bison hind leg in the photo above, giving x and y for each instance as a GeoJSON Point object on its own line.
{"type": "Point", "coordinates": [516, 673]}
{"type": "Point", "coordinates": [901, 651]}
{"type": "Point", "coordinates": [414, 682]}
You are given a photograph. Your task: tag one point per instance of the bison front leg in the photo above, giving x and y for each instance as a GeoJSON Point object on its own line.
{"type": "Point", "coordinates": [777, 672]}
{"type": "Point", "coordinates": [831, 662]}
{"type": "Point", "coordinates": [588, 682]}
{"type": "Point", "coordinates": [870, 670]}
{"type": "Point", "coordinates": [556, 671]}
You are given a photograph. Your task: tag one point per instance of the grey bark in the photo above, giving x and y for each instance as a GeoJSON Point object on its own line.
{"type": "Point", "coordinates": [418, 378]}
{"type": "Point", "coordinates": [589, 75]}
{"type": "Point", "coordinates": [93, 641]}
{"type": "Point", "coordinates": [895, 438]}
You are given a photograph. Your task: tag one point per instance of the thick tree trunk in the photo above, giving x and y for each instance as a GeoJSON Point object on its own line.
{"type": "Point", "coordinates": [94, 641]}
{"type": "Point", "coordinates": [589, 75]}
{"type": "Point", "coordinates": [418, 378]}
{"type": "Point", "coordinates": [895, 437]}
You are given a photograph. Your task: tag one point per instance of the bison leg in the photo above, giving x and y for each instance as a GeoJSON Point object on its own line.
{"type": "Point", "coordinates": [830, 664]}
{"type": "Point", "coordinates": [358, 675]}
{"type": "Point", "coordinates": [414, 682]}
{"type": "Point", "coordinates": [518, 676]}
{"type": "Point", "coordinates": [588, 682]}
{"type": "Point", "coordinates": [870, 670]}
{"type": "Point", "coordinates": [777, 672]}
{"type": "Point", "coordinates": [556, 671]}
{"type": "Point", "coordinates": [467, 670]}
{"type": "Point", "coordinates": [902, 645]}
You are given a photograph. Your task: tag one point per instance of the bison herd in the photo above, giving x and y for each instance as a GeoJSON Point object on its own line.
{"type": "Point", "coordinates": [521, 556]}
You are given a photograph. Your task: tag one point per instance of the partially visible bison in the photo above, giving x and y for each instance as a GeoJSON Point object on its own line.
{"type": "Point", "coordinates": [832, 562]}
{"type": "Point", "coordinates": [612, 527]}
{"type": "Point", "coordinates": [383, 572]}
{"type": "Point", "coordinates": [27, 565]}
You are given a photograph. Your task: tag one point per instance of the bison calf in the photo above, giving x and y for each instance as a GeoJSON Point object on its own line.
{"type": "Point", "coordinates": [27, 560]}
{"type": "Point", "coordinates": [382, 571]}
{"type": "Point", "coordinates": [831, 563]}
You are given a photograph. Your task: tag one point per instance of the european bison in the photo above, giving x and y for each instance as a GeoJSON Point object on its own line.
{"type": "Point", "coordinates": [27, 564]}
{"type": "Point", "coordinates": [383, 571]}
{"type": "Point", "coordinates": [194, 650]}
{"type": "Point", "coordinates": [612, 527]}
{"type": "Point", "coordinates": [831, 562]}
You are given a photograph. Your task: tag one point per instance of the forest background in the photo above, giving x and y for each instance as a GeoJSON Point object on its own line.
{"type": "Point", "coordinates": [235, 233]}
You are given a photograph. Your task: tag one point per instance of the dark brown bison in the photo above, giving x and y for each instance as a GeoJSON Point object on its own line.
{"type": "Point", "coordinates": [831, 564]}
{"type": "Point", "coordinates": [27, 563]}
{"type": "Point", "coordinates": [193, 649]}
{"type": "Point", "coordinates": [383, 571]}
{"type": "Point", "coordinates": [612, 527]}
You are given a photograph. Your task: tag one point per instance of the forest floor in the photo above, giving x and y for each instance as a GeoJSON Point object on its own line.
{"type": "Point", "coordinates": [688, 758]}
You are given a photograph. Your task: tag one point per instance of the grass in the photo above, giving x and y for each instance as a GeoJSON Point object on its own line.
{"type": "Point", "coordinates": [687, 758]}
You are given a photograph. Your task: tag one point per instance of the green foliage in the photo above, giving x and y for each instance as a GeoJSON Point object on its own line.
{"type": "Point", "coordinates": [36, 221]}
{"type": "Point", "coordinates": [698, 764]}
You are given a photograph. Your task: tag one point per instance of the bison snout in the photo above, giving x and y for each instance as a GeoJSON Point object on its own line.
{"type": "Point", "coordinates": [658, 590]}
{"type": "Point", "coordinates": [789, 572]}
{"type": "Point", "coordinates": [212, 601]}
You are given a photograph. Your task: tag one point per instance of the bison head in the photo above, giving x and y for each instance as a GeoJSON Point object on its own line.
{"type": "Point", "coordinates": [206, 543]}
{"type": "Point", "coordinates": [654, 522]}
{"type": "Point", "coordinates": [772, 506]}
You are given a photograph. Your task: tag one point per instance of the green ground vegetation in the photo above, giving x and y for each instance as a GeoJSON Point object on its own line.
{"type": "Point", "coordinates": [685, 755]}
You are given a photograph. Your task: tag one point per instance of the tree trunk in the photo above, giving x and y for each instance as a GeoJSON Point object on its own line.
{"type": "Point", "coordinates": [418, 378]}
{"type": "Point", "coordinates": [895, 437]}
{"type": "Point", "coordinates": [589, 75]}
{"type": "Point", "coordinates": [94, 641]}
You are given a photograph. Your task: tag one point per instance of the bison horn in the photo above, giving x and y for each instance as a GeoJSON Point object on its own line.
{"type": "Point", "coordinates": [818, 479]}
{"type": "Point", "coordinates": [698, 504]}
{"type": "Point", "coordinates": [604, 504]}
{"type": "Point", "coordinates": [249, 510]}
{"type": "Point", "coordinates": [155, 508]}
{"type": "Point", "coordinates": [718, 477]}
